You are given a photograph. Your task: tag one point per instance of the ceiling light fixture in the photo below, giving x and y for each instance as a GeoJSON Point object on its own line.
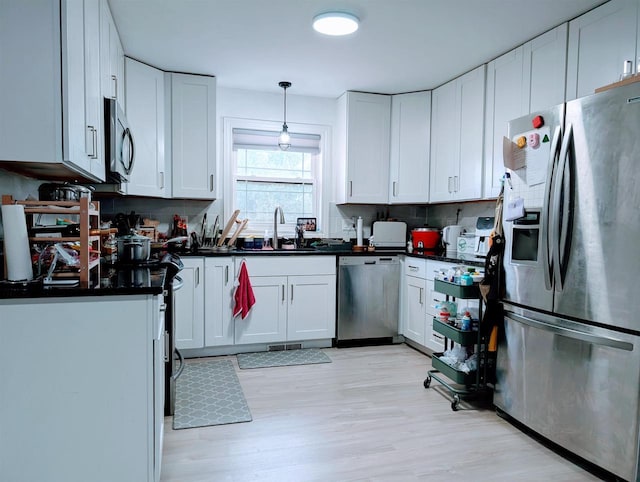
{"type": "Point", "coordinates": [284, 139]}
{"type": "Point", "coordinates": [335, 23]}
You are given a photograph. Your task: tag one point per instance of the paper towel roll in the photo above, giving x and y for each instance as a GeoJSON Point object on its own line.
{"type": "Point", "coordinates": [16, 243]}
{"type": "Point", "coordinates": [359, 231]}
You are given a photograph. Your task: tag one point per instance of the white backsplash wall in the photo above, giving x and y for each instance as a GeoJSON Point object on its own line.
{"type": "Point", "coordinates": [162, 210]}
{"type": "Point", "coordinates": [19, 187]}
{"type": "Point", "coordinates": [464, 214]}
{"type": "Point", "coordinates": [342, 216]}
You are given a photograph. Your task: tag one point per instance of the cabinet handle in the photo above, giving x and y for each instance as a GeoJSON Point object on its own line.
{"type": "Point", "coordinates": [165, 358]}
{"type": "Point", "coordinates": [291, 301]}
{"type": "Point", "coordinates": [211, 183]}
{"type": "Point", "coordinates": [198, 276]}
{"type": "Point", "coordinates": [456, 184]}
{"type": "Point", "coordinates": [226, 275]}
{"type": "Point", "coordinates": [350, 188]}
{"type": "Point", "coordinates": [449, 184]}
{"type": "Point", "coordinates": [283, 288]}
{"type": "Point", "coordinates": [394, 188]}
{"type": "Point", "coordinates": [92, 153]}
{"type": "Point", "coordinates": [161, 180]}
{"type": "Point", "coordinates": [115, 87]}
{"type": "Point", "coordinates": [95, 143]}
{"type": "Point", "coordinates": [412, 268]}
{"type": "Point", "coordinates": [163, 307]}
{"type": "Point", "coordinates": [420, 296]}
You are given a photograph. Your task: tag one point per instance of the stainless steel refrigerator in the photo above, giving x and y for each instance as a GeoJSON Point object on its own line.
{"type": "Point", "coordinates": [568, 366]}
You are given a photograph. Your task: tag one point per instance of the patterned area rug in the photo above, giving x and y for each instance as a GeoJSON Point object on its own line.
{"type": "Point", "coordinates": [209, 393]}
{"type": "Point", "coordinates": [281, 358]}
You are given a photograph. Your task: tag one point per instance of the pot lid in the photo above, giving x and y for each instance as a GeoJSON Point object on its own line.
{"type": "Point", "coordinates": [420, 230]}
{"type": "Point", "coordinates": [133, 236]}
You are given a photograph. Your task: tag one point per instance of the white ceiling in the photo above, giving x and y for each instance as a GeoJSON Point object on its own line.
{"type": "Point", "coordinates": [401, 46]}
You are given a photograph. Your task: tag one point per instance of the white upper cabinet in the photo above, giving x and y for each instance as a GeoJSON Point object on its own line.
{"type": "Point", "coordinates": [193, 136]}
{"type": "Point", "coordinates": [54, 50]}
{"type": "Point", "coordinates": [112, 82]}
{"type": "Point", "coordinates": [457, 130]}
{"type": "Point", "coordinates": [145, 113]}
{"type": "Point", "coordinates": [524, 80]}
{"type": "Point", "coordinates": [600, 41]}
{"type": "Point", "coordinates": [410, 148]}
{"type": "Point", "coordinates": [362, 139]}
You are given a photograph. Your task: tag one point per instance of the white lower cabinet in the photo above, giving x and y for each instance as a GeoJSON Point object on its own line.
{"type": "Point", "coordinates": [414, 304]}
{"type": "Point", "coordinates": [82, 388]}
{"type": "Point", "coordinates": [189, 305]}
{"type": "Point", "coordinates": [218, 301]}
{"type": "Point", "coordinates": [295, 299]}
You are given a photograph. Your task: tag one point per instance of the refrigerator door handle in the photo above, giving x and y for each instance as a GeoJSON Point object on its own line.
{"type": "Point", "coordinates": [558, 232]}
{"type": "Point", "coordinates": [547, 258]}
{"type": "Point", "coordinates": [570, 333]}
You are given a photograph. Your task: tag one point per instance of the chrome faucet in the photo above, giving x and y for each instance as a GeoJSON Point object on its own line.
{"type": "Point", "coordinates": [275, 225]}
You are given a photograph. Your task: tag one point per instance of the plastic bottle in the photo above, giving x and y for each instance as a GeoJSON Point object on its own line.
{"type": "Point", "coordinates": [466, 321]}
{"type": "Point", "coordinates": [466, 279]}
{"type": "Point", "coordinates": [409, 247]}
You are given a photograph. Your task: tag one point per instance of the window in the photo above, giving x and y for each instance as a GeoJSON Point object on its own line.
{"type": "Point", "coordinates": [264, 177]}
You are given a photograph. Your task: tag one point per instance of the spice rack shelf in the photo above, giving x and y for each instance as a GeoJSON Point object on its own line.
{"type": "Point", "coordinates": [88, 213]}
{"type": "Point", "coordinates": [460, 384]}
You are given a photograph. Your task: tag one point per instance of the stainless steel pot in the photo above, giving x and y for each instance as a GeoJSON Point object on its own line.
{"type": "Point", "coordinates": [51, 191]}
{"type": "Point", "coordinates": [133, 248]}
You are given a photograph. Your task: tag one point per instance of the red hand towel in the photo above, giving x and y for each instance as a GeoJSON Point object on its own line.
{"type": "Point", "coordinates": [244, 298]}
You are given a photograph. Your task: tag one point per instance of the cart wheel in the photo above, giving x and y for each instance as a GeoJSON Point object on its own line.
{"type": "Point", "coordinates": [427, 382]}
{"type": "Point", "coordinates": [455, 402]}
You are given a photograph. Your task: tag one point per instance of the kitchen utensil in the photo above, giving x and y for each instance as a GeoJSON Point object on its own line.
{"type": "Point", "coordinates": [228, 227]}
{"type": "Point", "coordinates": [133, 248]}
{"type": "Point", "coordinates": [238, 231]}
{"type": "Point", "coordinates": [52, 191]}
{"type": "Point", "coordinates": [216, 226]}
{"type": "Point", "coordinates": [203, 229]}
{"type": "Point", "coordinates": [425, 238]}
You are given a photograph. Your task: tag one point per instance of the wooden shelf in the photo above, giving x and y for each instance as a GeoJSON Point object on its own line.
{"type": "Point", "coordinates": [89, 214]}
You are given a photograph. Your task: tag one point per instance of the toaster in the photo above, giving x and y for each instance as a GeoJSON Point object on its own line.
{"type": "Point", "coordinates": [389, 234]}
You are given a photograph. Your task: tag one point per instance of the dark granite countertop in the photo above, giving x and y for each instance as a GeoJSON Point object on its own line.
{"type": "Point", "coordinates": [322, 252]}
{"type": "Point", "coordinates": [113, 281]}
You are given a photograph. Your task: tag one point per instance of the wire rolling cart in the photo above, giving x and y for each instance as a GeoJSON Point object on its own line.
{"type": "Point", "coordinates": [461, 385]}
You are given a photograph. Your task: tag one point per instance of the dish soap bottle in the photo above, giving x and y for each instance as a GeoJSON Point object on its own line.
{"type": "Point", "coordinates": [466, 322]}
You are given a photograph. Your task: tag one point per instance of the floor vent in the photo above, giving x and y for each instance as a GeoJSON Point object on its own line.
{"type": "Point", "coordinates": [294, 346]}
{"type": "Point", "coordinates": [276, 348]}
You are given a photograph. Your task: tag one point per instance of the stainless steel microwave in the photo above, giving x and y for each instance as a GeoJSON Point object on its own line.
{"type": "Point", "coordinates": [119, 143]}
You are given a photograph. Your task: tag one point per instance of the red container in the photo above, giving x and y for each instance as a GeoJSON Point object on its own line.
{"type": "Point", "coordinates": [425, 238]}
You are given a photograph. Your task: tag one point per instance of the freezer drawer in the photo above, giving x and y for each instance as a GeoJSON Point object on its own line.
{"type": "Point", "coordinates": [575, 384]}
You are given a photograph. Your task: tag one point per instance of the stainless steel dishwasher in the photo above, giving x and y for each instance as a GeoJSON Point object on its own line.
{"type": "Point", "coordinates": [368, 293]}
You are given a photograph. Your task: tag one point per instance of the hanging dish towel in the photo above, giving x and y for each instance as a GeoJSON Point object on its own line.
{"type": "Point", "coordinates": [243, 296]}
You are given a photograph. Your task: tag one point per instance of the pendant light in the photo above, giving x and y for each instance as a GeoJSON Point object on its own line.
{"type": "Point", "coordinates": [284, 140]}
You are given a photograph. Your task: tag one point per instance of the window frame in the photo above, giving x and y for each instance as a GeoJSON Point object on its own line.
{"type": "Point", "coordinates": [320, 169]}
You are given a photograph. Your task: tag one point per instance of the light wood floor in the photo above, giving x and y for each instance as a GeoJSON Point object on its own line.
{"type": "Point", "coordinates": [364, 417]}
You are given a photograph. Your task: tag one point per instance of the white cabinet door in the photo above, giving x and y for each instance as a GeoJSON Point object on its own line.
{"type": "Point", "coordinates": [93, 94]}
{"type": "Point", "coordinates": [504, 102]}
{"type": "Point", "coordinates": [444, 142]}
{"type": "Point", "coordinates": [524, 80]}
{"type": "Point", "coordinates": [267, 320]}
{"type": "Point", "coordinates": [468, 179]}
{"type": "Point", "coordinates": [145, 113]}
{"type": "Point", "coordinates": [545, 65]}
{"type": "Point", "coordinates": [111, 57]}
{"type": "Point", "coordinates": [410, 148]}
{"type": "Point", "coordinates": [193, 135]}
{"type": "Point", "coordinates": [600, 41]}
{"type": "Point", "coordinates": [414, 308]}
{"type": "Point", "coordinates": [218, 302]}
{"type": "Point", "coordinates": [365, 155]}
{"type": "Point", "coordinates": [457, 132]}
{"type": "Point", "coordinates": [189, 305]}
{"type": "Point", "coordinates": [312, 307]}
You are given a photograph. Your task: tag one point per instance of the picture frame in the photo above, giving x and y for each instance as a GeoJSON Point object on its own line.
{"type": "Point", "coordinates": [309, 224]}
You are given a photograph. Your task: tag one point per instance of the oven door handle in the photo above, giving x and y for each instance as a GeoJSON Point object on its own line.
{"type": "Point", "coordinates": [178, 372]}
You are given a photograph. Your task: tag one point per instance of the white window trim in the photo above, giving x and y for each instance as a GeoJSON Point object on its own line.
{"type": "Point", "coordinates": [322, 180]}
